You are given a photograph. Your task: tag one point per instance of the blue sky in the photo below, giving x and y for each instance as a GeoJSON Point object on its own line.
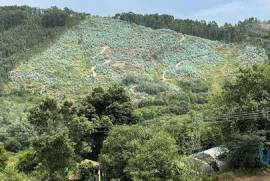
{"type": "Point", "coordinates": [218, 10]}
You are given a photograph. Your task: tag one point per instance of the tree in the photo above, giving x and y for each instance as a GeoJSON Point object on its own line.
{"type": "Point", "coordinates": [54, 17]}
{"type": "Point", "coordinates": [154, 159]}
{"type": "Point", "coordinates": [55, 153]}
{"type": "Point", "coordinates": [85, 123]}
{"type": "Point", "coordinates": [45, 117]}
{"type": "Point", "coordinates": [144, 153]}
{"type": "Point", "coordinates": [51, 117]}
{"type": "Point", "coordinates": [106, 108]}
{"type": "Point", "coordinates": [118, 148]}
{"type": "Point", "coordinates": [249, 92]}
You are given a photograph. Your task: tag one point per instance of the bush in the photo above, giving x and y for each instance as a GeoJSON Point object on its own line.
{"type": "Point", "coordinates": [54, 17]}
{"type": "Point", "coordinates": [194, 87]}
{"type": "Point", "coordinates": [187, 169]}
{"type": "Point", "coordinates": [3, 157]}
{"type": "Point", "coordinates": [27, 162]}
{"type": "Point", "coordinates": [12, 145]}
{"type": "Point", "coordinates": [129, 80]}
{"type": "Point", "coordinates": [151, 88]}
{"type": "Point", "coordinates": [179, 108]}
{"type": "Point", "coordinates": [87, 170]}
{"type": "Point", "coordinates": [145, 153]}
{"type": "Point", "coordinates": [11, 174]}
{"type": "Point", "coordinates": [244, 152]}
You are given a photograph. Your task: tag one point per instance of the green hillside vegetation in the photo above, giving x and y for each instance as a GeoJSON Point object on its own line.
{"type": "Point", "coordinates": [251, 30]}
{"type": "Point", "coordinates": [24, 29]}
{"type": "Point", "coordinates": [148, 62]}
{"type": "Point", "coordinates": [25, 32]}
{"type": "Point", "coordinates": [76, 87]}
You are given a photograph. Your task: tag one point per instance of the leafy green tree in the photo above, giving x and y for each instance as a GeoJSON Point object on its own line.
{"type": "Point", "coordinates": [45, 117]}
{"type": "Point", "coordinates": [186, 169]}
{"type": "Point", "coordinates": [153, 160]}
{"type": "Point", "coordinates": [105, 108]}
{"type": "Point", "coordinates": [118, 148]}
{"type": "Point", "coordinates": [50, 117]}
{"type": "Point", "coordinates": [88, 122]}
{"type": "Point", "coordinates": [87, 170]}
{"type": "Point", "coordinates": [144, 153]}
{"type": "Point", "coordinates": [114, 103]}
{"type": "Point", "coordinates": [55, 153]}
{"type": "Point", "coordinates": [249, 92]}
{"type": "Point", "coordinates": [54, 17]}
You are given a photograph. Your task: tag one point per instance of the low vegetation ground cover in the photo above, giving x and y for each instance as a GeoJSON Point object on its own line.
{"type": "Point", "coordinates": [169, 86]}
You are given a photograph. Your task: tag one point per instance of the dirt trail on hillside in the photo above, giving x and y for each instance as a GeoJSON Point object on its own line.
{"type": "Point", "coordinates": [183, 38]}
{"type": "Point", "coordinates": [94, 74]}
{"type": "Point", "coordinates": [221, 71]}
{"type": "Point", "coordinates": [163, 75]}
{"type": "Point", "coordinates": [104, 50]}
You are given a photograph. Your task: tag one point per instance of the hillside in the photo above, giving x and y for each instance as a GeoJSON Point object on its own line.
{"type": "Point", "coordinates": [90, 93]}
{"type": "Point", "coordinates": [250, 30]}
{"type": "Point", "coordinates": [150, 64]}
{"type": "Point", "coordinates": [103, 50]}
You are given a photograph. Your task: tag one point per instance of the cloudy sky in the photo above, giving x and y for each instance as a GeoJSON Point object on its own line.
{"type": "Point", "coordinates": [218, 10]}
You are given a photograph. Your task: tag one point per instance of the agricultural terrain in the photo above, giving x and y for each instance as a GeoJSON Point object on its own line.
{"type": "Point", "coordinates": [101, 51]}
{"type": "Point", "coordinates": [139, 102]}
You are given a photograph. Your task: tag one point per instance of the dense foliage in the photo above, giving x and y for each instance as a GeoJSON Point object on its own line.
{"type": "Point", "coordinates": [27, 162]}
{"type": "Point", "coordinates": [24, 28]}
{"type": "Point", "coordinates": [246, 98]}
{"type": "Point", "coordinates": [141, 153]}
{"type": "Point", "coordinates": [250, 30]}
{"type": "Point", "coordinates": [249, 92]}
{"type": "Point", "coordinates": [244, 152]}
{"type": "Point", "coordinates": [65, 132]}
{"type": "Point", "coordinates": [145, 130]}
{"type": "Point", "coordinates": [3, 157]}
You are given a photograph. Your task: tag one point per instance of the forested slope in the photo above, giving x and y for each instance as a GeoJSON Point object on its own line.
{"type": "Point", "coordinates": [24, 29]}
{"type": "Point", "coordinates": [59, 105]}
{"type": "Point", "coordinates": [251, 30]}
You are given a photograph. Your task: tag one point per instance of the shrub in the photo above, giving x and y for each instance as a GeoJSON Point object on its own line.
{"type": "Point", "coordinates": [138, 153]}
{"type": "Point", "coordinates": [12, 145]}
{"type": "Point", "coordinates": [179, 108]}
{"type": "Point", "coordinates": [187, 169]}
{"type": "Point", "coordinates": [87, 170]}
{"type": "Point", "coordinates": [3, 157]}
{"type": "Point", "coordinates": [244, 152]}
{"type": "Point", "coordinates": [151, 88]}
{"type": "Point", "coordinates": [54, 17]}
{"type": "Point", "coordinates": [27, 162]}
{"type": "Point", "coordinates": [197, 86]}
{"type": "Point", "coordinates": [11, 174]}
{"type": "Point", "coordinates": [129, 79]}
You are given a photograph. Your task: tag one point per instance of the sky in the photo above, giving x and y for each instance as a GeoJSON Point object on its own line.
{"type": "Point", "coordinates": [220, 11]}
